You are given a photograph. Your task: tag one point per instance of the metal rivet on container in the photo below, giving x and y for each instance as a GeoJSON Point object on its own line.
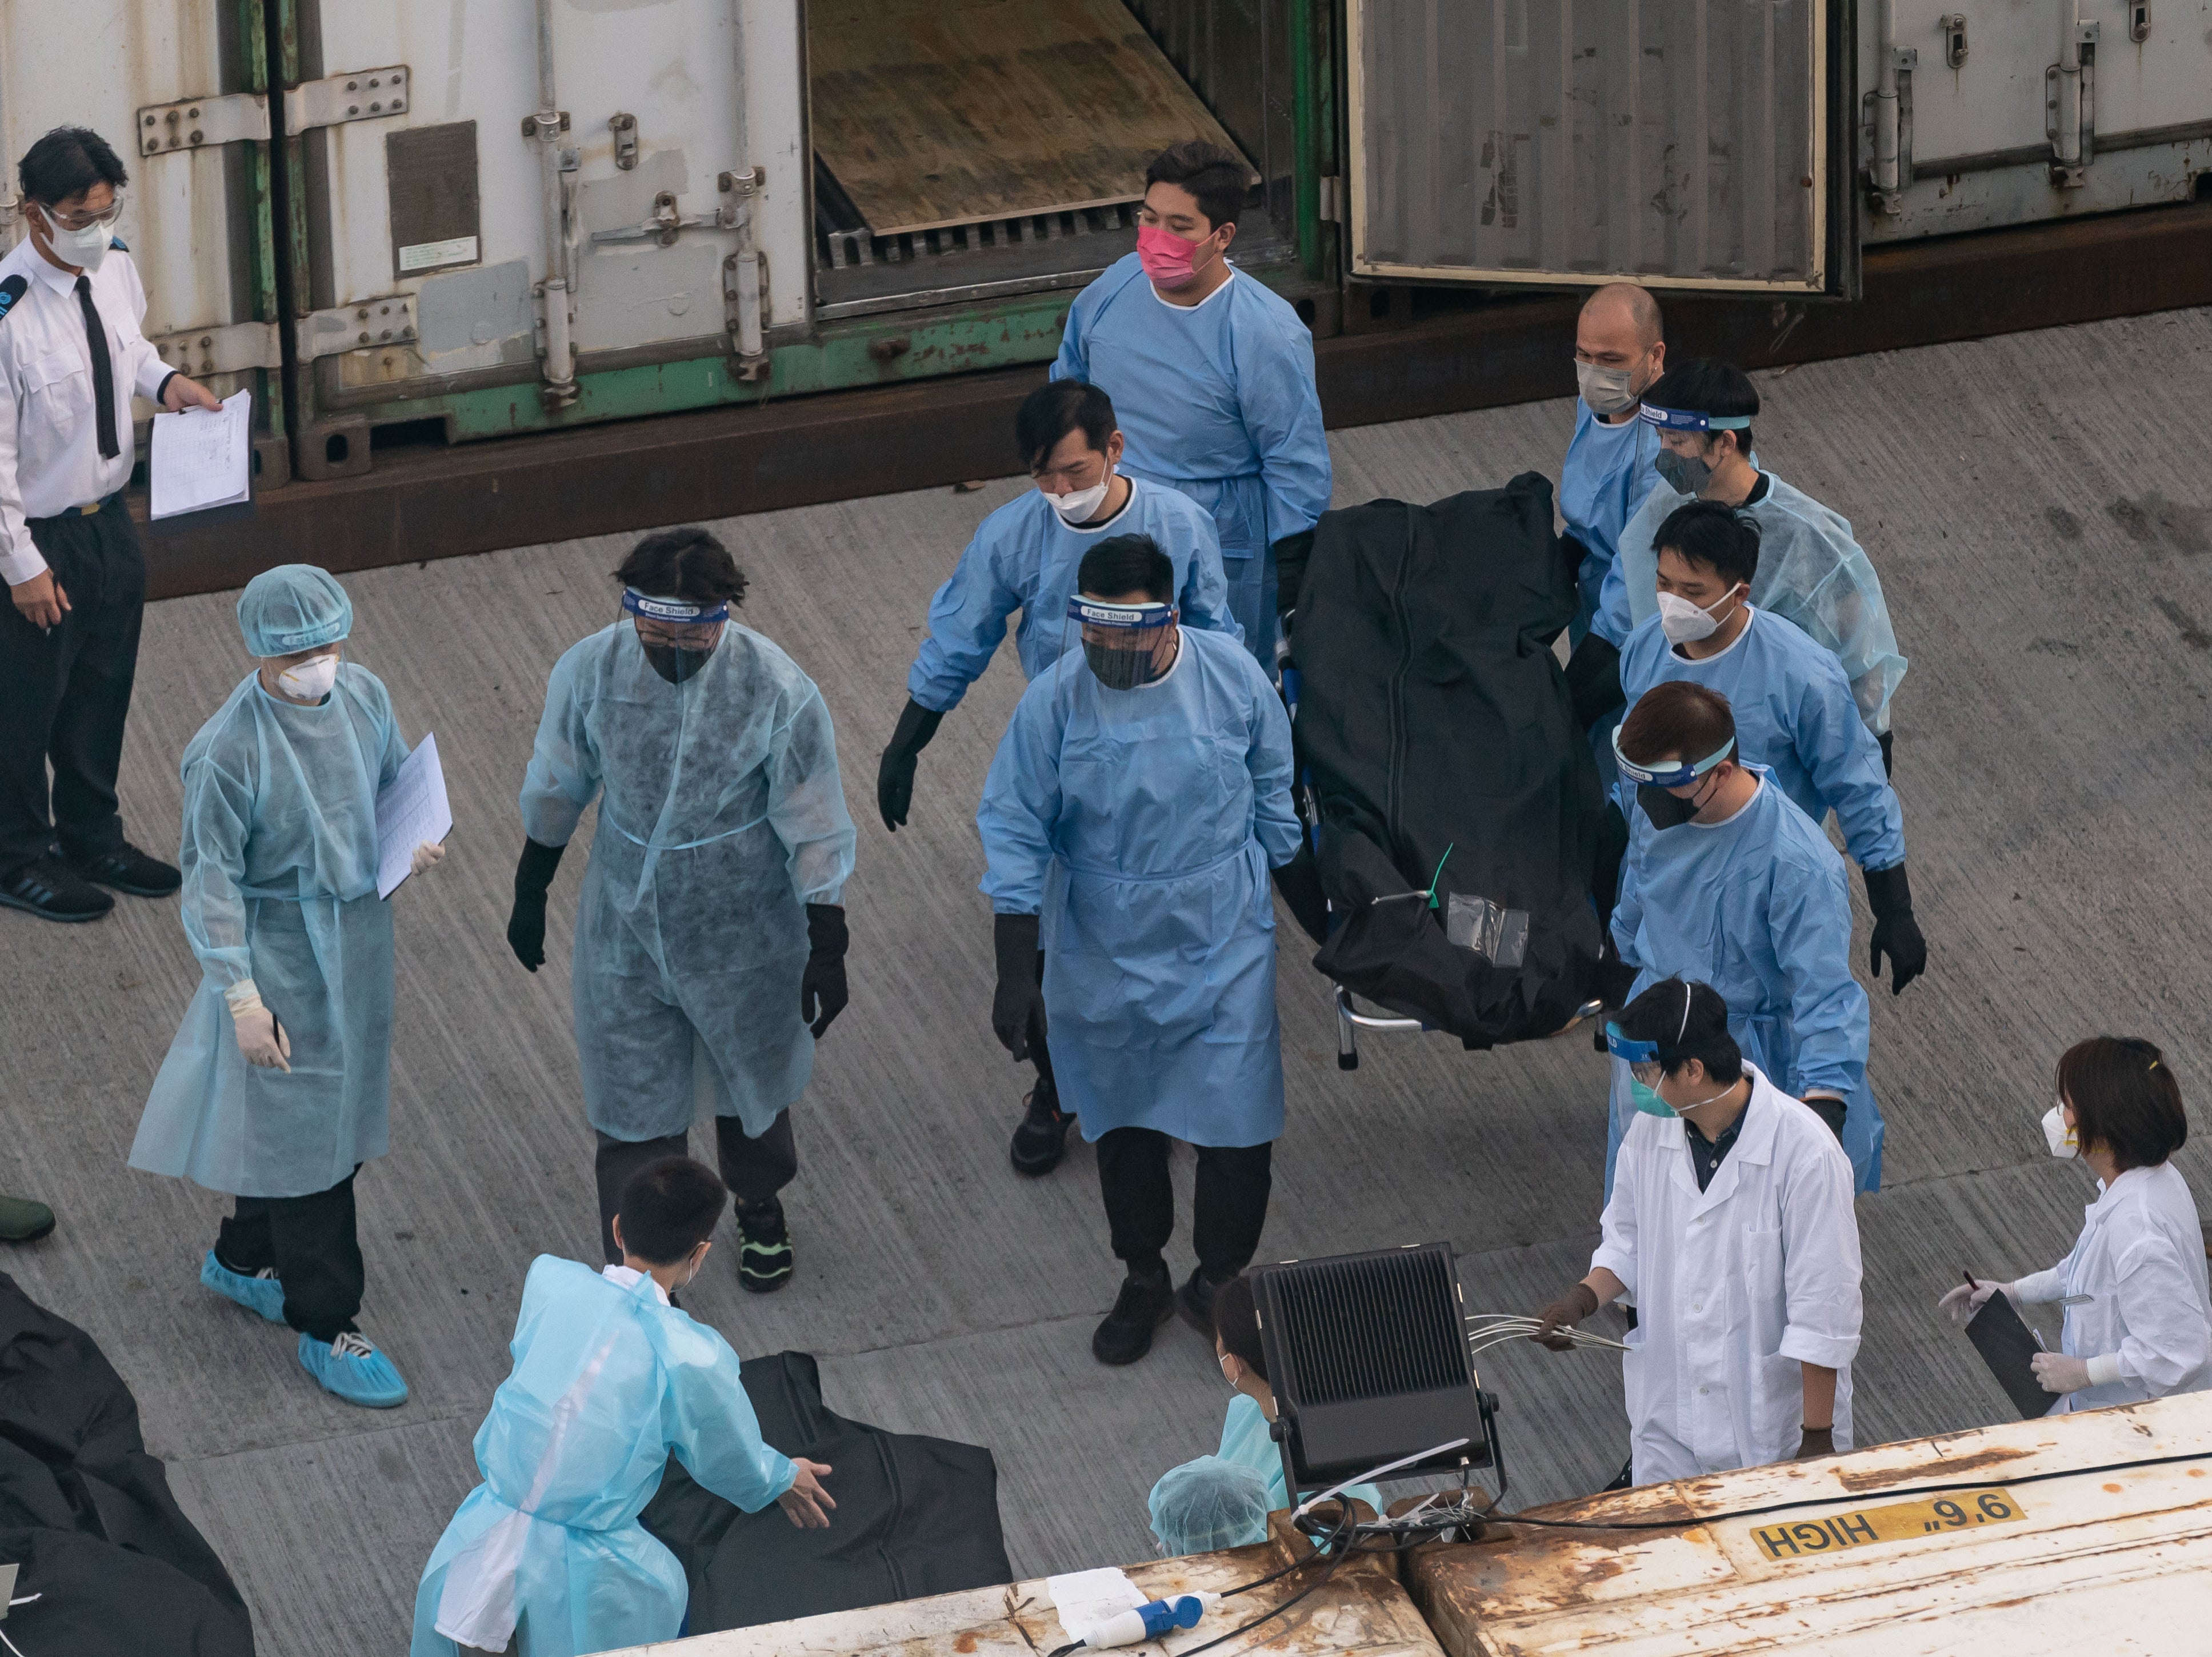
{"type": "Point", "coordinates": [195, 135]}
{"type": "Point", "coordinates": [398, 105]}
{"type": "Point", "coordinates": [361, 314]}
{"type": "Point", "coordinates": [373, 108]}
{"type": "Point", "coordinates": [205, 343]}
{"type": "Point", "coordinates": [353, 85]}
{"type": "Point", "coordinates": [149, 120]}
{"type": "Point", "coordinates": [386, 334]}
{"type": "Point", "coordinates": [353, 109]}
{"type": "Point", "coordinates": [364, 337]}
{"type": "Point", "coordinates": [192, 114]}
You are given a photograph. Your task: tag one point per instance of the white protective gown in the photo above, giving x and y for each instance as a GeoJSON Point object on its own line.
{"type": "Point", "coordinates": [1735, 1286]}
{"type": "Point", "coordinates": [2141, 1259]}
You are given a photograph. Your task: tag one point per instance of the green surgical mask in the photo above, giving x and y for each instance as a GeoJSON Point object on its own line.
{"type": "Point", "coordinates": [1648, 1100]}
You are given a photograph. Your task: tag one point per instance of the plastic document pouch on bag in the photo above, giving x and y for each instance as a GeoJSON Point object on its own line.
{"type": "Point", "coordinates": [1498, 936]}
{"type": "Point", "coordinates": [201, 459]}
{"type": "Point", "coordinates": [411, 809]}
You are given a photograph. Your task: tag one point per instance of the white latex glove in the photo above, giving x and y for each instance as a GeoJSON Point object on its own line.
{"type": "Point", "coordinates": [2059, 1373]}
{"type": "Point", "coordinates": [1962, 1302]}
{"type": "Point", "coordinates": [263, 1045]}
{"type": "Point", "coordinates": [426, 857]}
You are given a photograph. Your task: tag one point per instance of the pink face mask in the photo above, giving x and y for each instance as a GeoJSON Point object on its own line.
{"type": "Point", "coordinates": [1166, 258]}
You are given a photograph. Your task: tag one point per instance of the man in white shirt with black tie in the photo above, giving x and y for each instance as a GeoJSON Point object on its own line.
{"type": "Point", "coordinates": [71, 358]}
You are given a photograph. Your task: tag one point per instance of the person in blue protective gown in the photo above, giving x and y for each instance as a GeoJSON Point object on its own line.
{"type": "Point", "coordinates": [710, 932]}
{"type": "Point", "coordinates": [277, 1086]}
{"type": "Point", "coordinates": [1129, 819]}
{"type": "Point", "coordinates": [1024, 558]}
{"type": "Point", "coordinates": [1620, 348]}
{"type": "Point", "coordinates": [1793, 708]}
{"type": "Point", "coordinates": [1727, 883]}
{"type": "Point", "coordinates": [546, 1557]}
{"type": "Point", "coordinates": [1209, 1502]}
{"type": "Point", "coordinates": [1212, 376]}
{"type": "Point", "coordinates": [1811, 571]}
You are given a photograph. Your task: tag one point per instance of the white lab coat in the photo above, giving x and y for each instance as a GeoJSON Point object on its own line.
{"type": "Point", "coordinates": [2141, 1257]}
{"type": "Point", "coordinates": [1735, 1286]}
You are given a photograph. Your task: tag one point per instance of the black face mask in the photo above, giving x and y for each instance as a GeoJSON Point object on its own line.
{"type": "Point", "coordinates": [1665, 809]}
{"type": "Point", "coordinates": [673, 664]}
{"type": "Point", "coordinates": [1122, 670]}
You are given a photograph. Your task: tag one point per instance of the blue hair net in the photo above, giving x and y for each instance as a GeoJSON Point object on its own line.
{"type": "Point", "coordinates": [292, 607]}
{"type": "Point", "coordinates": [1209, 1503]}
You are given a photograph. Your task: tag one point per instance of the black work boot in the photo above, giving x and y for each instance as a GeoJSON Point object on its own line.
{"type": "Point", "coordinates": [764, 1247]}
{"type": "Point", "coordinates": [1042, 1139]}
{"type": "Point", "coordinates": [1144, 1304]}
{"type": "Point", "coordinates": [52, 890]}
{"type": "Point", "coordinates": [1194, 1302]}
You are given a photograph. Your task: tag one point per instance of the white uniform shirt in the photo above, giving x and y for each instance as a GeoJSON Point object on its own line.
{"type": "Point", "coordinates": [50, 458]}
{"type": "Point", "coordinates": [1735, 1286]}
{"type": "Point", "coordinates": [2141, 1257]}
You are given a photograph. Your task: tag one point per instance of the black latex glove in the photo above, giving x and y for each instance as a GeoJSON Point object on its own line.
{"type": "Point", "coordinates": [1815, 1441]}
{"type": "Point", "coordinates": [1299, 881]}
{"type": "Point", "coordinates": [1593, 681]}
{"type": "Point", "coordinates": [1831, 1110]}
{"type": "Point", "coordinates": [525, 923]}
{"type": "Point", "coordinates": [822, 993]}
{"type": "Point", "coordinates": [1564, 1312]}
{"type": "Point", "coordinates": [1291, 554]}
{"type": "Point", "coordinates": [1896, 933]}
{"type": "Point", "coordinates": [1887, 739]}
{"type": "Point", "coordinates": [895, 772]}
{"type": "Point", "coordinates": [1014, 939]}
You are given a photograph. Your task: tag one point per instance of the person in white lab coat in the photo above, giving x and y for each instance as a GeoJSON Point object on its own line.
{"type": "Point", "coordinates": [1730, 1223]}
{"type": "Point", "coordinates": [2138, 1309]}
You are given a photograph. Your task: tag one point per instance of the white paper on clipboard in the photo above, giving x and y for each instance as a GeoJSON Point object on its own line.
{"type": "Point", "coordinates": [201, 458]}
{"type": "Point", "coordinates": [411, 809]}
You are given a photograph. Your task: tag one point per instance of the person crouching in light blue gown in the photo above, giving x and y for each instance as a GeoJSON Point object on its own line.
{"type": "Point", "coordinates": [1129, 820]}
{"type": "Point", "coordinates": [1727, 883]}
{"type": "Point", "coordinates": [546, 1557]}
{"type": "Point", "coordinates": [277, 1086]}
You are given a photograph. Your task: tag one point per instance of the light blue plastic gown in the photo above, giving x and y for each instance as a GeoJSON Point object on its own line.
{"type": "Point", "coordinates": [1217, 400]}
{"type": "Point", "coordinates": [1141, 824]}
{"type": "Point", "coordinates": [1810, 572]}
{"type": "Point", "coordinates": [609, 1382]}
{"type": "Point", "coordinates": [1024, 558]}
{"type": "Point", "coordinates": [721, 819]}
{"type": "Point", "coordinates": [1793, 715]}
{"type": "Point", "coordinates": [1757, 907]}
{"type": "Point", "coordinates": [279, 861]}
{"type": "Point", "coordinates": [1607, 474]}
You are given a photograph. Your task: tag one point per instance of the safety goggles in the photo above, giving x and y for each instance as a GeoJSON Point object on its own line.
{"type": "Point", "coordinates": [1123, 641]}
{"type": "Point", "coordinates": [674, 621]}
{"type": "Point", "coordinates": [1691, 420]}
{"type": "Point", "coordinates": [107, 218]}
{"type": "Point", "coordinates": [1673, 774]}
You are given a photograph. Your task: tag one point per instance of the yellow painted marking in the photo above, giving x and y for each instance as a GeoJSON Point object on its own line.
{"type": "Point", "coordinates": [1963, 1511]}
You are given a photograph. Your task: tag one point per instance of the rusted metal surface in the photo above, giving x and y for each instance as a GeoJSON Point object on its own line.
{"type": "Point", "coordinates": [638, 474]}
{"type": "Point", "coordinates": [1363, 1611]}
{"type": "Point", "coordinates": [2043, 1543]}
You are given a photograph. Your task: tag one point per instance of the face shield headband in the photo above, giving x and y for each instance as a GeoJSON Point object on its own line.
{"type": "Point", "coordinates": [1123, 641]}
{"type": "Point", "coordinates": [1672, 775]}
{"type": "Point", "coordinates": [673, 612]}
{"type": "Point", "coordinates": [1691, 420]}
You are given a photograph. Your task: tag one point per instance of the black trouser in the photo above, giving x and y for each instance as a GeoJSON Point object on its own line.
{"type": "Point", "coordinates": [312, 1242]}
{"type": "Point", "coordinates": [1038, 1055]}
{"type": "Point", "coordinates": [1229, 1206]}
{"type": "Point", "coordinates": [66, 693]}
{"type": "Point", "coordinates": [754, 1169]}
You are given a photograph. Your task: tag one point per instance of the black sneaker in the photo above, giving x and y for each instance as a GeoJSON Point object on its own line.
{"type": "Point", "coordinates": [49, 888]}
{"type": "Point", "coordinates": [1042, 1139]}
{"type": "Point", "coordinates": [1194, 1303]}
{"type": "Point", "coordinates": [1143, 1305]}
{"type": "Point", "coordinates": [765, 1247]}
{"type": "Point", "coordinates": [1625, 1478]}
{"type": "Point", "coordinates": [127, 869]}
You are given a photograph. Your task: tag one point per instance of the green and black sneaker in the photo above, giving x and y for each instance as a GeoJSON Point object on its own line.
{"type": "Point", "coordinates": [23, 1220]}
{"type": "Point", "coordinates": [764, 1248]}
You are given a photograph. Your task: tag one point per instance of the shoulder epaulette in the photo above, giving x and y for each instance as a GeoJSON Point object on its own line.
{"type": "Point", "coordinates": [11, 290]}
{"type": "Point", "coordinates": [117, 245]}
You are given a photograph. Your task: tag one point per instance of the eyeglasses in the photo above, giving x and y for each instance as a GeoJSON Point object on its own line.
{"type": "Point", "coordinates": [85, 221]}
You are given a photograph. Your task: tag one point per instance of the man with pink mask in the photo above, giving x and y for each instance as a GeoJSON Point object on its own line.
{"type": "Point", "coordinates": [1211, 373]}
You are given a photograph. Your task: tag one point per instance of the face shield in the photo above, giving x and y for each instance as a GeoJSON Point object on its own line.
{"type": "Point", "coordinates": [678, 636]}
{"type": "Point", "coordinates": [1127, 644]}
{"type": "Point", "coordinates": [1689, 474]}
{"type": "Point", "coordinates": [1654, 782]}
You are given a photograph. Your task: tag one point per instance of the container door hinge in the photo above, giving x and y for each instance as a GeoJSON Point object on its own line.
{"type": "Point", "coordinates": [230, 349]}
{"type": "Point", "coordinates": [2069, 111]}
{"type": "Point", "coordinates": [1889, 135]}
{"type": "Point", "coordinates": [365, 94]}
{"type": "Point", "coordinates": [236, 118]}
{"type": "Point", "coordinates": [362, 326]}
{"type": "Point", "coordinates": [1332, 200]}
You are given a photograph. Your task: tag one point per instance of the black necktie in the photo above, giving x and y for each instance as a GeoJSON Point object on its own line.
{"type": "Point", "coordinates": [103, 371]}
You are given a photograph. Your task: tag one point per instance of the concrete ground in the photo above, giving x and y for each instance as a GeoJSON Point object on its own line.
{"type": "Point", "coordinates": [2038, 507]}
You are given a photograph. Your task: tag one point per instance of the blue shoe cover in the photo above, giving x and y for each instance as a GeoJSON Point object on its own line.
{"type": "Point", "coordinates": [261, 1295]}
{"type": "Point", "coordinates": [352, 1368]}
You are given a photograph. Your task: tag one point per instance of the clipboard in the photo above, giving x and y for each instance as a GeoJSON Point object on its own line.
{"type": "Point", "coordinates": [2008, 1346]}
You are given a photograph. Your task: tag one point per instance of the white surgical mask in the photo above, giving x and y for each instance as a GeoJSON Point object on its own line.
{"type": "Point", "coordinates": [83, 248]}
{"type": "Point", "coordinates": [1081, 505]}
{"type": "Point", "coordinates": [2064, 1142]}
{"type": "Point", "coordinates": [1605, 390]}
{"type": "Point", "coordinates": [1683, 622]}
{"type": "Point", "coordinates": [310, 681]}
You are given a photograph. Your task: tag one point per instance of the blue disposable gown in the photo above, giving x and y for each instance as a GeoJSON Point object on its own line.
{"type": "Point", "coordinates": [1245, 1441]}
{"type": "Point", "coordinates": [1217, 400]}
{"type": "Point", "coordinates": [722, 818]}
{"type": "Point", "coordinates": [1024, 558]}
{"type": "Point", "coordinates": [1608, 473]}
{"type": "Point", "coordinates": [609, 1382]}
{"type": "Point", "coordinates": [1757, 907]}
{"type": "Point", "coordinates": [279, 860]}
{"type": "Point", "coordinates": [1140, 824]}
{"type": "Point", "coordinates": [1810, 572]}
{"type": "Point", "coordinates": [1793, 715]}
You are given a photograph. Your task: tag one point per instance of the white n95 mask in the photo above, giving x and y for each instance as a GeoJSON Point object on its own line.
{"type": "Point", "coordinates": [1684, 622]}
{"type": "Point", "coordinates": [84, 247]}
{"type": "Point", "coordinates": [310, 681]}
{"type": "Point", "coordinates": [1081, 505]}
{"type": "Point", "coordinates": [2065, 1144]}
